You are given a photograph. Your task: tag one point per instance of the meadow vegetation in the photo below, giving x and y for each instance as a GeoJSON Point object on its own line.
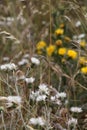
{"type": "Point", "coordinates": [43, 65]}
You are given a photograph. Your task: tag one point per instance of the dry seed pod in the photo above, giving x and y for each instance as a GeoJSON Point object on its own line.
{"type": "Point", "coordinates": [64, 113]}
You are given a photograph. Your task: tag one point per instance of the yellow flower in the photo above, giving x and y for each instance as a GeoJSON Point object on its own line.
{"type": "Point", "coordinates": [50, 49]}
{"type": "Point", "coordinates": [83, 43]}
{"type": "Point", "coordinates": [62, 51]}
{"type": "Point", "coordinates": [39, 52]}
{"type": "Point", "coordinates": [72, 54]}
{"type": "Point", "coordinates": [67, 39]}
{"type": "Point", "coordinates": [62, 25]}
{"type": "Point", "coordinates": [82, 60]}
{"type": "Point", "coordinates": [40, 45]}
{"type": "Point", "coordinates": [59, 42]}
{"type": "Point", "coordinates": [84, 70]}
{"type": "Point", "coordinates": [63, 60]}
{"type": "Point", "coordinates": [59, 31]}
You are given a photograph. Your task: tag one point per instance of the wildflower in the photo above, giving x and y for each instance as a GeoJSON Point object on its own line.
{"type": "Point", "coordinates": [82, 60]}
{"type": "Point", "coordinates": [55, 99]}
{"type": "Point", "coordinates": [29, 80]}
{"type": "Point", "coordinates": [23, 62]}
{"type": "Point", "coordinates": [75, 37]}
{"type": "Point", "coordinates": [34, 95]}
{"type": "Point", "coordinates": [37, 96]}
{"type": "Point", "coordinates": [62, 51]}
{"type": "Point", "coordinates": [67, 39]}
{"type": "Point", "coordinates": [72, 54]}
{"type": "Point", "coordinates": [66, 102]}
{"type": "Point", "coordinates": [41, 45]}
{"type": "Point", "coordinates": [33, 121]}
{"type": "Point", "coordinates": [39, 52]}
{"type": "Point", "coordinates": [58, 102]}
{"type": "Point", "coordinates": [61, 95]}
{"type": "Point", "coordinates": [35, 61]}
{"type": "Point", "coordinates": [81, 36]}
{"type": "Point", "coordinates": [83, 44]}
{"type": "Point", "coordinates": [12, 66]}
{"type": "Point", "coordinates": [41, 98]}
{"type": "Point", "coordinates": [9, 66]}
{"type": "Point", "coordinates": [62, 25]}
{"type": "Point", "coordinates": [59, 42]}
{"type": "Point", "coordinates": [43, 88]}
{"type": "Point", "coordinates": [76, 109]}
{"type": "Point", "coordinates": [59, 31]}
{"type": "Point", "coordinates": [78, 23]}
{"type": "Point", "coordinates": [50, 50]}
{"type": "Point", "coordinates": [84, 70]}
{"type": "Point", "coordinates": [37, 121]}
{"type": "Point", "coordinates": [41, 121]}
{"type": "Point", "coordinates": [14, 99]}
{"type": "Point", "coordinates": [72, 121]}
{"type": "Point", "coordinates": [6, 58]}
{"type": "Point", "coordinates": [26, 56]}
{"type": "Point", "coordinates": [63, 60]}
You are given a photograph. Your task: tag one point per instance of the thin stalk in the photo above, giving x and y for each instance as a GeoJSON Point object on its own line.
{"type": "Point", "coordinates": [50, 21]}
{"type": "Point", "coordinates": [2, 116]}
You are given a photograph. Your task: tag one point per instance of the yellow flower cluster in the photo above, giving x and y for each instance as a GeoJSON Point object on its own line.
{"type": "Point", "coordinates": [62, 51]}
{"type": "Point", "coordinates": [72, 54]}
{"type": "Point", "coordinates": [84, 70]}
{"type": "Point", "coordinates": [50, 50]}
{"type": "Point", "coordinates": [41, 45]}
{"type": "Point", "coordinates": [59, 31]}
